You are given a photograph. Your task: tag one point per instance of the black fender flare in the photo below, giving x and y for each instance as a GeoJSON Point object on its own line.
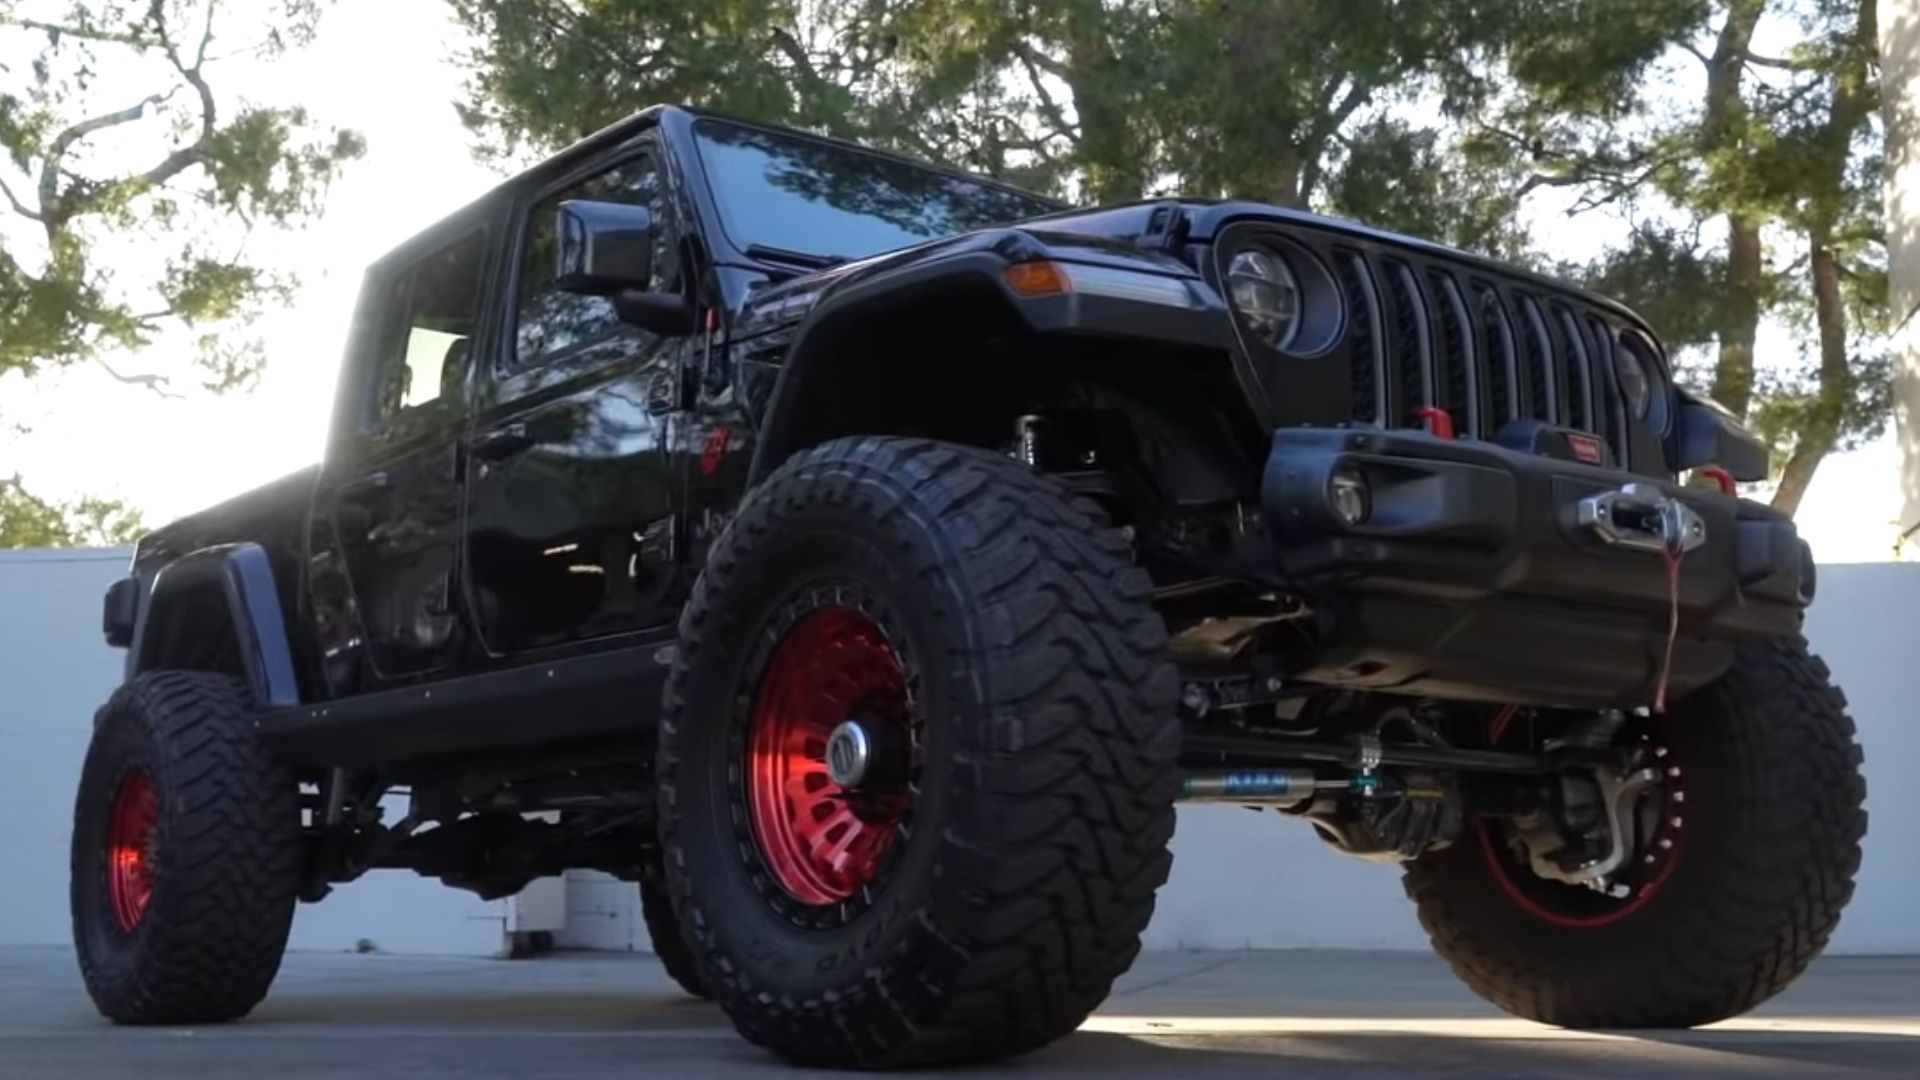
{"type": "Point", "coordinates": [978, 273]}
{"type": "Point", "coordinates": [814, 343]}
{"type": "Point", "coordinates": [244, 576]}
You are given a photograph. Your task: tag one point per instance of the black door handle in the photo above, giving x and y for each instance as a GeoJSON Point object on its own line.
{"type": "Point", "coordinates": [503, 442]}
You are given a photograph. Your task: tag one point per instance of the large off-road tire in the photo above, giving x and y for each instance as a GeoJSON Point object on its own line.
{"type": "Point", "coordinates": [186, 854]}
{"type": "Point", "coordinates": [977, 895]}
{"type": "Point", "coordinates": [1754, 862]}
{"type": "Point", "coordinates": [669, 943]}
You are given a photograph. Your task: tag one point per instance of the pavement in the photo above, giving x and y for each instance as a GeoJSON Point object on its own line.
{"type": "Point", "coordinates": [1218, 1014]}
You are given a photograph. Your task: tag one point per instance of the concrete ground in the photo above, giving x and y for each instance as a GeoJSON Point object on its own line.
{"type": "Point", "coordinates": [1300, 1014]}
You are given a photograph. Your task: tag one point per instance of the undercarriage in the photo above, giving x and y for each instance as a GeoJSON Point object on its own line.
{"type": "Point", "coordinates": [1577, 795]}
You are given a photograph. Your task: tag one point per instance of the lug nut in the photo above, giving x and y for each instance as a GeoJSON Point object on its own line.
{"type": "Point", "coordinates": [1665, 844]}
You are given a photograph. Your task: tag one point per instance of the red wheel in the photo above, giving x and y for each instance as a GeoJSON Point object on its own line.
{"type": "Point", "coordinates": [1660, 829]}
{"type": "Point", "coordinates": [130, 848]}
{"type": "Point", "coordinates": [1744, 848]}
{"type": "Point", "coordinates": [828, 789]}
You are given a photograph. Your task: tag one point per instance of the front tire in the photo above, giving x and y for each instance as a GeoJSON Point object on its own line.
{"type": "Point", "coordinates": [1764, 848]}
{"type": "Point", "coordinates": [975, 894]}
{"type": "Point", "coordinates": [186, 854]}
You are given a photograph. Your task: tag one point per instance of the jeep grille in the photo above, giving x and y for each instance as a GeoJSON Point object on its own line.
{"type": "Point", "coordinates": [1485, 348]}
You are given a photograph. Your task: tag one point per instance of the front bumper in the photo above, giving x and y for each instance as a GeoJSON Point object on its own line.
{"type": "Point", "coordinates": [1476, 574]}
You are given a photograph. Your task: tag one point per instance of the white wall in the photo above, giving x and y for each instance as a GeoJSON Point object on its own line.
{"type": "Point", "coordinates": [1240, 878]}
{"type": "Point", "coordinates": [54, 671]}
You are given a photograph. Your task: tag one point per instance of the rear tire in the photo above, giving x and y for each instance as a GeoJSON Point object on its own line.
{"type": "Point", "coordinates": [1022, 704]}
{"type": "Point", "coordinates": [669, 943]}
{"type": "Point", "coordinates": [186, 854]}
{"type": "Point", "coordinates": [1765, 859]}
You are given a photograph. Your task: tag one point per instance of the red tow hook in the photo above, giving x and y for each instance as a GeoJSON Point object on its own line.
{"type": "Point", "coordinates": [1719, 476]}
{"type": "Point", "coordinates": [1439, 422]}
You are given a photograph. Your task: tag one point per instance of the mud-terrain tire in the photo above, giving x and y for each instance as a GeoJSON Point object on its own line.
{"type": "Point", "coordinates": [995, 625]}
{"type": "Point", "coordinates": [1769, 842]}
{"type": "Point", "coordinates": [184, 921]}
{"type": "Point", "coordinates": [669, 944]}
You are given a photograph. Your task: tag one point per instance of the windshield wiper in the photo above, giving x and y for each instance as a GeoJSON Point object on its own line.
{"type": "Point", "coordinates": [794, 258]}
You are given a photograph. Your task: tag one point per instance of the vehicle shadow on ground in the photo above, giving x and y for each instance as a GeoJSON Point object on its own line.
{"type": "Point", "coordinates": [691, 1030]}
{"type": "Point", "coordinates": [1388, 1054]}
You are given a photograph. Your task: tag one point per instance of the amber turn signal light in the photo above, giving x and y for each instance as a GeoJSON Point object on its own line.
{"type": "Point", "coordinates": [1038, 278]}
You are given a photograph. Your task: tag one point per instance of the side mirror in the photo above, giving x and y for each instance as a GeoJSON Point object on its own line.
{"type": "Point", "coordinates": [604, 248]}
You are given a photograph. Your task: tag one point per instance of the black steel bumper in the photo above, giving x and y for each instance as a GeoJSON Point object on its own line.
{"type": "Point", "coordinates": [1476, 573]}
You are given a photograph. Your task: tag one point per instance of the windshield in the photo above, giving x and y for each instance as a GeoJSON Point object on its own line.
{"type": "Point", "coordinates": [831, 202]}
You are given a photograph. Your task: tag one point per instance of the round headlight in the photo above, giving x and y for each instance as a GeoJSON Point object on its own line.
{"type": "Point", "coordinates": [1265, 295]}
{"type": "Point", "coordinates": [1636, 382]}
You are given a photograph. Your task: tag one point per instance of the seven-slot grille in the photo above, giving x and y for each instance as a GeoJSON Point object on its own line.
{"type": "Point", "coordinates": [1485, 349]}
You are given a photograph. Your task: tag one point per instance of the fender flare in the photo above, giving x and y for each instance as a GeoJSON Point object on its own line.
{"type": "Point", "coordinates": [979, 274]}
{"type": "Point", "coordinates": [244, 576]}
{"type": "Point", "coordinates": [809, 355]}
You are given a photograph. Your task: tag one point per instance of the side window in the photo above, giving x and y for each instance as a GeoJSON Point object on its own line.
{"type": "Point", "coordinates": [424, 353]}
{"type": "Point", "coordinates": [551, 323]}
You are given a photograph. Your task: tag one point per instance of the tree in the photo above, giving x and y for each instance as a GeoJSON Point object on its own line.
{"type": "Point", "coordinates": [116, 142]}
{"type": "Point", "coordinates": [117, 145]}
{"type": "Point", "coordinates": [1781, 159]}
{"type": "Point", "coordinates": [1104, 99]}
{"type": "Point", "coordinates": [29, 521]}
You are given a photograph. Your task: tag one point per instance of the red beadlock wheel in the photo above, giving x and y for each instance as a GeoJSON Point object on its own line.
{"type": "Point", "coordinates": [130, 848]}
{"type": "Point", "coordinates": [833, 688]}
{"type": "Point", "coordinates": [1634, 885]}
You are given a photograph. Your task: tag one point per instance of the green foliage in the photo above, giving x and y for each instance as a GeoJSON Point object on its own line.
{"type": "Point", "coordinates": [209, 164]}
{"type": "Point", "coordinates": [26, 520]}
{"type": "Point", "coordinates": [1102, 99]}
{"type": "Point", "coordinates": [1411, 180]}
{"type": "Point", "coordinates": [1664, 273]}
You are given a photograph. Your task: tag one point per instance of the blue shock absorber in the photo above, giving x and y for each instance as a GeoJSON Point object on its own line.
{"type": "Point", "coordinates": [1261, 787]}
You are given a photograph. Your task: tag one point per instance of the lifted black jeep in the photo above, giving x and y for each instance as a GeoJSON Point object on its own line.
{"type": "Point", "coordinates": [865, 558]}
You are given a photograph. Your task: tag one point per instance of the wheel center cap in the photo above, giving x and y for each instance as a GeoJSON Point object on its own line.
{"type": "Point", "coordinates": [849, 754]}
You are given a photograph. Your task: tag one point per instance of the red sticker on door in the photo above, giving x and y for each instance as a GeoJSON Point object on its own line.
{"type": "Point", "coordinates": [715, 450]}
{"type": "Point", "coordinates": [1587, 448]}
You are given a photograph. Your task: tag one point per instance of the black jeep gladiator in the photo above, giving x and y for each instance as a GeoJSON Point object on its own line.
{"type": "Point", "coordinates": [864, 559]}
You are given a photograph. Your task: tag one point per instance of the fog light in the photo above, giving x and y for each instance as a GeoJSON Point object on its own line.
{"type": "Point", "coordinates": [1350, 497]}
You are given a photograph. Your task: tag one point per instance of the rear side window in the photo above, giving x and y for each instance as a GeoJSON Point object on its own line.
{"type": "Point", "coordinates": [550, 323]}
{"type": "Point", "coordinates": [424, 352]}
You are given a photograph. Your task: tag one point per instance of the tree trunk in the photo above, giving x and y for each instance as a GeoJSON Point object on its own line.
{"type": "Point", "coordinates": [1854, 98]}
{"type": "Point", "coordinates": [1821, 429]}
{"type": "Point", "coordinates": [1746, 280]}
{"type": "Point", "coordinates": [1746, 258]}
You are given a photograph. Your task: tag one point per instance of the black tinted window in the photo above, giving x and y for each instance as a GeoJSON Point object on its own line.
{"type": "Point", "coordinates": [424, 352]}
{"type": "Point", "coordinates": [552, 322]}
{"type": "Point", "coordinates": [793, 193]}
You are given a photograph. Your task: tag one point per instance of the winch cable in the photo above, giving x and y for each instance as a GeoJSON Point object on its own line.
{"type": "Point", "coordinates": [1672, 552]}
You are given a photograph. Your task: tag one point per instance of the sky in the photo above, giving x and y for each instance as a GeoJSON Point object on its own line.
{"type": "Point", "coordinates": [384, 68]}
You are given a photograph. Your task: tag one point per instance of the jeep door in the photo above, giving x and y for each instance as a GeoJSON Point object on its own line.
{"type": "Point", "coordinates": [391, 486]}
{"type": "Point", "coordinates": [573, 525]}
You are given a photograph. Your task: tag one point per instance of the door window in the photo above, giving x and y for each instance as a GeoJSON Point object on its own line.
{"type": "Point", "coordinates": [551, 323]}
{"type": "Point", "coordinates": [424, 356]}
